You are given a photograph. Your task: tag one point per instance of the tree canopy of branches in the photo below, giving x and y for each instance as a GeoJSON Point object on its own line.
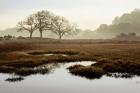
{"type": "Point", "coordinates": [60, 26]}
{"type": "Point", "coordinates": [43, 21]}
{"type": "Point", "coordinates": [27, 25]}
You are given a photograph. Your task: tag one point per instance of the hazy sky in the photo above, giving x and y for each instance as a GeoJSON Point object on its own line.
{"type": "Point", "coordinates": [88, 14]}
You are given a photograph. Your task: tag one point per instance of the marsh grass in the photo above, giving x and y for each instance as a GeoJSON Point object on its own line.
{"type": "Point", "coordinates": [119, 67]}
{"type": "Point", "coordinates": [111, 56]}
{"type": "Point", "coordinates": [8, 46]}
{"type": "Point", "coordinates": [23, 71]}
{"type": "Point", "coordinates": [86, 71]}
{"type": "Point", "coordinates": [6, 69]}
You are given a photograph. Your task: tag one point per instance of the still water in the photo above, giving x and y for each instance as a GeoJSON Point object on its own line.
{"type": "Point", "coordinates": [59, 80]}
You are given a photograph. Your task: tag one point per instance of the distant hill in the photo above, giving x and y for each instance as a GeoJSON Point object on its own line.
{"type": "Point", "coordinates": [13, 32]}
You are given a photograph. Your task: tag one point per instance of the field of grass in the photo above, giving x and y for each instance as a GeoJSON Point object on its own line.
{"type": "Point", "coordinates": [111, 56]}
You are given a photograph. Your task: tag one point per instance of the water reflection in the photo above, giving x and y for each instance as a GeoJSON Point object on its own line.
{"type": "Point", "coordinates": [19, 74]}
{"type": "Point", "coordinates": [47, 68]}
{"type": "Point", "coordinates": [120, 75]}
{"type": "Point", "coordinates": [92, 72]}
{"type": "Point", "coordinates": [114, 75]}
{"type": "Point", "coordinates": [54, 53]}
{"type": "Point", "coordinates": [57, 79]}
{"type": "Point", "coordinates": [87, 76]}
{"type": "Point", "coordinates": [14, 78]}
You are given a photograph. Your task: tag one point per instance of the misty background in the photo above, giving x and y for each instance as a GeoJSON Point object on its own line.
{"type": "Point", "coordinates": [95, 18]}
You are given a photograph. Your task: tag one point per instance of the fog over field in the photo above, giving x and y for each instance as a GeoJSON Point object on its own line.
{"type": "Point", "coordinates": [88, 14]}
{"type": "Point", "coordinates": [126, 23]}
{"type": "Point", "coordinates": [95, 19]}
{"type": "Point", "coordinates": [69, 46]}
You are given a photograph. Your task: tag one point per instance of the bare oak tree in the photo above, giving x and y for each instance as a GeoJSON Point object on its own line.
{"type": "Point", "coordinates": [27, 25]}
{"type": "Point", "coordinates": [60, 26]}
{"type": "Point", "coordinates": [43, 21]}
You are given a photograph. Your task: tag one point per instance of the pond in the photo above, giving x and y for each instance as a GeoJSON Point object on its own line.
{"type": "Point", "coordinates": [50, 54]}
{"type": "Point", "coordinates": [54, 53]}
{"type": "Point", "coordinates": [59, 80]}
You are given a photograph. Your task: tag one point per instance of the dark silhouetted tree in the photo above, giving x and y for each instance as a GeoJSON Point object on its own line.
{"type": "Point", "coordinates": [60, 26]}
{"type": "Point", "coordinates": [27, 25]}
{"type": "Point", "coordinates": [43, 21]}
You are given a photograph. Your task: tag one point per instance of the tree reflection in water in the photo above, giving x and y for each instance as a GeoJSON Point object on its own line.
{"type": "Point", "coordinates": [96, 73]}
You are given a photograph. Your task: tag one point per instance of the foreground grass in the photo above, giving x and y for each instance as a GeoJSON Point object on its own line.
{"type": "Point", "coordinates": [112, 56]}
{"type": "Point", "coordinates": [89, 72]}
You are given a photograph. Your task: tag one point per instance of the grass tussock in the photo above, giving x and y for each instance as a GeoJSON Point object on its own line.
{"type": "Point", "coordinates": [23, 71]}
{"type": "Point", "coordinates": [86, 71]}
{"type": "Point", "coordinates": [119, 67]}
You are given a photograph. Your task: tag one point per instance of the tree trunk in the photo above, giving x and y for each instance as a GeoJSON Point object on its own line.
{"type": "Point", "coordinates": [31, 34]}
{"type": "Point", "coordinates": [60, 37]}
{"type": "Point", "coordinates": [41, 34]}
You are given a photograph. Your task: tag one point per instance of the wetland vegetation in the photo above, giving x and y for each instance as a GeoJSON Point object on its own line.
{"type": "Point", "coordinates": [110, 57]}
{"type": "Point", "coordinates": [46, 53]}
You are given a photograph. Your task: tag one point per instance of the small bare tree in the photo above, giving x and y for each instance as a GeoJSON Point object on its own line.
{"type": "Point", "coordinates": [60, 26]}
{"type": "Point", "coordinates": [27, 25]}
{"type": "Point", "coordinates": [43, 21]}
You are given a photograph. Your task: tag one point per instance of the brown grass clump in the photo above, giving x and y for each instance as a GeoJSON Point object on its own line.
{"type": "Point", "coordinates": [75, 67]}
{"type": "Point", "coordinates": [86, 71]}
{"type": "Point", "coordinates": [119, 67]}
{"type": "Point", "coordinates": [25, 71]}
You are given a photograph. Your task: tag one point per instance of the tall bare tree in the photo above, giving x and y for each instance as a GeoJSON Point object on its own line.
{"type": "Point", "coordinates": [60, 26]}
{"type": "Point", "coordinates": [43, 21]}
{"type": "Point", "coordinates": [27, 25]}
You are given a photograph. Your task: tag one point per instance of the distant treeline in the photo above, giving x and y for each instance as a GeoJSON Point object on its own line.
{"type": "Point", "coordinates": [129, 36]}
{"type": "Point", "coordinates": [127, 23]}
